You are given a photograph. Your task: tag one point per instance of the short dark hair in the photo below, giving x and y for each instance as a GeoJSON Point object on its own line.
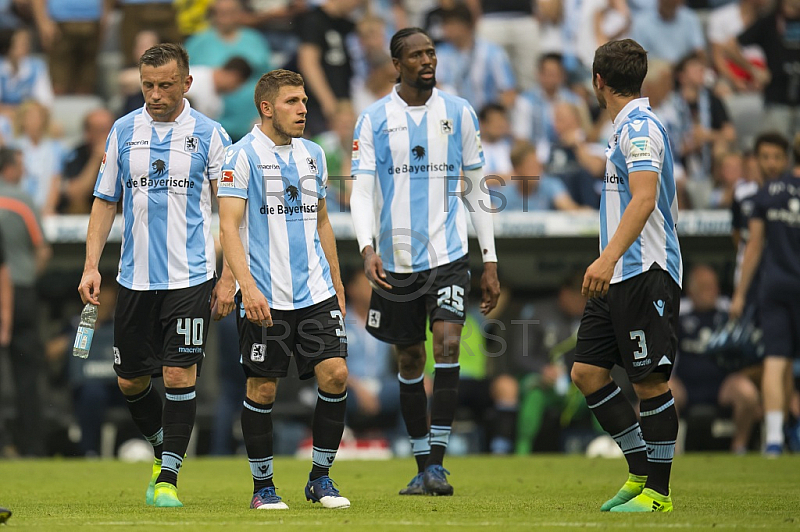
{"type": "Point", "coordinates": [772, 138]}
{"type": "Point", "coordinates": [622, 65]}
{"type": "Point", "coordinates": [270, 84]}
{"type": "Point", "coordinates": [490, 108]}
{"type": "Point", "coordinates": [458, 13]}
{"type": "Point", "coordinates": [551, 56]}
{"type": "Point", "coordinates": [239, 65]}
{"type": "Point", "coordinates": [397, 45]}
{"type": "Point", "coordinates": [8, 157]}
{"type": "Point", "coordinates": [161, 54]}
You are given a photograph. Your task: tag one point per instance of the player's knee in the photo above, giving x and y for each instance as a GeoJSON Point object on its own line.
{"type": "Point", "coordinates": [179, 377]}
{"type": "Point", "coordinates": [261, 391]}
{"type": "Point", "coordinates": [333, 378]}
{"type": "Point", "coordinates": [133, 386]}
{"type": "Point", "coordinates": [411, 360]}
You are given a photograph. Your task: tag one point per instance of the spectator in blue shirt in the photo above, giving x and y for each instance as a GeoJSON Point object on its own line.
{"type": "Point", "coordinates": [479, 71]}
{"type": "Point", "coordinates": [22, 76]}
{"type": "Point", "coordinates": [671, 32]}
{"type": "Point", "coordinates": [43, 156]}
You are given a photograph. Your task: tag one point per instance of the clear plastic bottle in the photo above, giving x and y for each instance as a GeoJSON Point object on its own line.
{"type": "Point", "coordinates": [83, 339]}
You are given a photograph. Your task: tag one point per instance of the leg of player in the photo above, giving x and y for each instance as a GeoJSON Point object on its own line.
{"type": "Point", "coordinates": [414, 408]}
{"type": "Point", "coordinates": [617, 417]}
{"type": "Point", "coordinates": [773, 387]}
{"type": "Point", "coordinates": [179, 414]}
{"type": "Point", "coordinates": [446, 341]}
{"type": "Point", "coordinates": [659, 420]}
{"type": "Point", "coordinates": [327, 428]}
{"type": "Point", "coordinates": [145, 405]}
{"type": "Point", "coordinates": [257, 433]}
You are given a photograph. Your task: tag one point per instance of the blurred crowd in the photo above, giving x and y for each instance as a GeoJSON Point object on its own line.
{"type": "Point", "coordinates": [721, 73]}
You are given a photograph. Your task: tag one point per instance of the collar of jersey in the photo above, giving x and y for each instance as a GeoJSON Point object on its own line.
{"type": "Point", "coordinates": [180, 118]}
{"type": "Point", "coordinates": [268, 142]}
{"type": "Point", "coordinates": [638, 103]}
{"type": "Point", "coordinates": [396, 97]}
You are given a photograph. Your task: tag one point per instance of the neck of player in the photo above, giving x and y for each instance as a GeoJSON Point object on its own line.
{"type": "Point", "coordinates": [412, 95]}
{"type": "Point", "coordinates": [615, 104]}
{"type": "Point", "coordinates": [274, 135]}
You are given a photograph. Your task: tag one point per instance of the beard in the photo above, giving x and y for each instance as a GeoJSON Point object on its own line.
{"type": "Point", "coordinates": [424, 84]}
{"type": "Point", "coordinates": [280, 129]}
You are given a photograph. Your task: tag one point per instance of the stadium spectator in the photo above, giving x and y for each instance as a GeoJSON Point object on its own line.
{"type": "Point", "coordinates": [190, 15]}
{"type": "Point", "coordinates": [725, 23]}
{"type": "Point", "coordinates": [778, 34]}
{"type": "Point", "coordinates": [380, 82]}
{"type": "Point", "coordinates": [276, 20]}
{"type": "Point", "coordinates": [27, 254]}
{"type": "Point", "coordinates": [128, 80]}
{"type": "Point", "coordinates": [513, 25]}
{"type": "Point", "coordinates": [154, 15]}
{"type": "Point", "coordinates": [210, 85]}
{"type": "Point", "coordinates": [578, 163]}
{"type": "Point", "coordinates": [772, 249]}
{"type": "Point", "coordinates": [433, 20]}
{"type": "Point", "coordinates": [728, 171]}
{"type": "Point", "coordinates": [600, 21]}
{"type": "Point", "coordinates": [323, 59]}
{"type": "Point", "coordinates": [671, 32]}
{"type": "Point", "coordinates": [22, 76]}
{"type": "Point", "coordinates": [634, 286]}
{"type": "Point", "coordinates": [307, 314]}
{"type": "Point", "coordinates": [227, 38]}
{"type": "Point", "coordinates": [496, 140]}
{"type": "Point", "coordinates": [70, 33]}
{"type": "Point", "coordinates": [530, 189]}
{"type": "Point", "coordinates": [532, 117]}
{"type": "Point", "coordinates": [373, 393]}
{"type": "Point", "coordinates": [402, 323]}
{"type": "Point", "coordinates": [338, 145]}
{"type": "Point", "coordinates": [163, 312]}
{"type": "Point", "coordinates": [82, 164]}
{"type": "Point", "coordinates": [43, 156]}
{"type": "Point", "coordinates": [697, 379]}
{"type": "Point", "coordinates": [370, 48]}
{"type": "Point", "coordinates": [6, 300]}
{"type": "Point", "coordinates": [704, 120]}
{"type": "Point", "coordinates": [477, 70]}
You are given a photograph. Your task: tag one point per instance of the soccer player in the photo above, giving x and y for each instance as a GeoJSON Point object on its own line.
{"type": "Point", "coordinates": [163, 161]}
{"type": "Point", "coordinates": [279, 243]}
{"type": "Point", "coordinates": [409, 150]}
{"type": "Point", "coordinates": [631, 318]}
{"type": "Point", "coordinates": [773, 250]}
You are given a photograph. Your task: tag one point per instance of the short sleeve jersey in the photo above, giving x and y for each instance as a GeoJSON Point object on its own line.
{"type": "Point", "coordinates": [640, 143]}
{"type": "Point", "coordinates": [162, 171]}
{"type": "Point", "coordinates": [282, 186]}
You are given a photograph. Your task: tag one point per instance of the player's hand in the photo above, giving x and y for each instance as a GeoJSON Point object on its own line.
{"type": "Point", "coordinates": [222, 302]}
{"type": "Point", "coordinates": [373, 268]}
{"type": "Point", "coordinates": [340, 300]}
{"type": "Point", "coordinates": [89, 289]}
{"type": "Point", "coordinates": [490, 287]}
{"type": "Point", "coordinates": [737, 306]}
{"type": "Point", "coordinates": [256, 307]}
{"type": "Point", "coordinates": [598, 278]}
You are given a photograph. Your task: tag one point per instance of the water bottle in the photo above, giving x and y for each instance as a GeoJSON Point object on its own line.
{"type": "Point", "coordinates": [83, 339]}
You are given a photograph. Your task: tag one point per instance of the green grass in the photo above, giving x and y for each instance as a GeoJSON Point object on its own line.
{"type": "Point", "coordinates": [546, 492]}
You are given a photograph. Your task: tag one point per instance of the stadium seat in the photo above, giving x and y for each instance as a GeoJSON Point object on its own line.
{"type": "Point", "coordinates": [746, 111]}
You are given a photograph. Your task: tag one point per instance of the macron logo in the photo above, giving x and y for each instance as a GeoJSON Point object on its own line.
{"type": "Point", "coordinates": [659, 306]}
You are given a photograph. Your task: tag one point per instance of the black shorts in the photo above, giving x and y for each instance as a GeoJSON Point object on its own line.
{"type": "Point", "coordinates": [157, 328]}
{"type": "Point", "coordinates": [398, 316]}
{"type": "Point", "coordinates": [311, 334]}
{"type": "Point", "coordinates": [780, 323]}
{"type": "Point", "coordinates": [634, 326]}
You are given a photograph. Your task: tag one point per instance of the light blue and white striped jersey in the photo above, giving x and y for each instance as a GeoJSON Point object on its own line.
{"type": "Point", "coordinates": [30, 80]}
{"type": "Point", "coordinates": [417, 154]}
{"type": "Point", "coordinates": [640, 143]}
{"type": "Point", "coordinates": [165, 170]}
{"type": "Point", "coordinates": [282, 186]}
{"type": "Point", "coordinates": [478, 75]}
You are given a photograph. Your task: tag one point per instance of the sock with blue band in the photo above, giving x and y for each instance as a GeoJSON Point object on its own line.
{"type": "Point", "coordinates": [179, 415]}
{"type": "Point", "coordinates": [326, 431]}
{"type": "Point", "coordinates": [257, 433]}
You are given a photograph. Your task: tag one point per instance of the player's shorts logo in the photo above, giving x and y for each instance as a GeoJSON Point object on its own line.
{"type": "Point", "coordinates": [117, 358]}
{"type": "Point", "coordinates": [447, 127]}
{"type": "Point", "coordinates": [191, 144]}
{"type": "Point", "coordinates": [258, 352]}
{"type": "Point", "coordinates": [374, 318]}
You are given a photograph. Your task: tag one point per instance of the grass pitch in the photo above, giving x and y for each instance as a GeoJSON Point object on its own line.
{"type": "Point", "coordinates": [542, 492]}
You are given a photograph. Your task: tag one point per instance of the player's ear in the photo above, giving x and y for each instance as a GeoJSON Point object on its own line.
{"type": "Point", "coordinates": [187, 83]}
{"type": "Point", "coordinates": [266, 108]}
